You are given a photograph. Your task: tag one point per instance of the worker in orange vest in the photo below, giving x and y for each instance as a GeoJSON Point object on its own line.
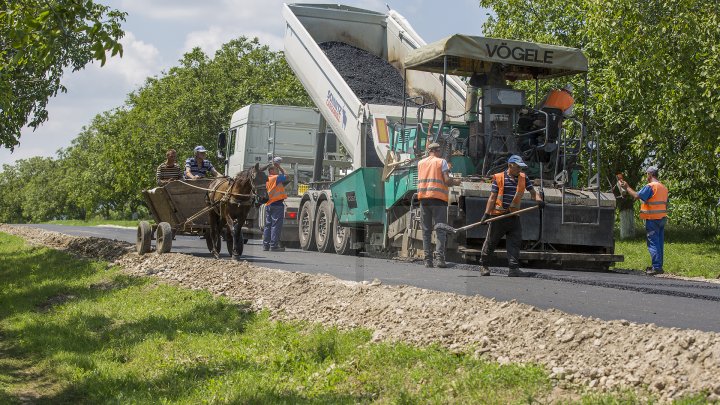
{"type": "Point", "coordinates": [433, 181]}
{"type": "Point", "coordinates": [653, 210]}
{"type": "Point", "coordinates": [558, 104]}
{"type": "Point", "coordinates": [275, 207]}
{"type": "Point", "coordinates": [507, 190]}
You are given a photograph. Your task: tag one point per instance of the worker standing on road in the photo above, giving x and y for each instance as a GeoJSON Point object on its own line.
{"type": "Point", "coordinates": [653, 211]}
{"type": "Point", "coordinates": [508, 188]}
{"type": "Point", "coordinates": [433, 181]}
{"type": "Point", "coordinates": [198, 166]}
{"type": "Point", "coordinates": [275, 207]}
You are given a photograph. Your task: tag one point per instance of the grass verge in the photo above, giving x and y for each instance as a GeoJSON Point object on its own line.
{"type": "Point", "coordinates": [96, 222]}
{"type": "Point", "coordinates": [77, 331]}
{"type": "Point", "coordinates": [687, 253]}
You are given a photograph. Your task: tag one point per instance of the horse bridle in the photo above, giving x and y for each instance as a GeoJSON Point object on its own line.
{"type": "Point", "coordinates": [254, 188]}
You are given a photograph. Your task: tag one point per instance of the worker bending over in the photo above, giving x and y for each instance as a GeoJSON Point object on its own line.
{"type": "Point", "coordinates": [508, 188]}
{"type": "Point", "coordinates": [653, 211]}
{"type": "Point", "coordinates": [433, 181]}
{"type": "Point", "coordinates": [275, 207]}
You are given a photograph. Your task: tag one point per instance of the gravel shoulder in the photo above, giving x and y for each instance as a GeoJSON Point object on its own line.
{"type": "Point", "coordinates": [667, 363]}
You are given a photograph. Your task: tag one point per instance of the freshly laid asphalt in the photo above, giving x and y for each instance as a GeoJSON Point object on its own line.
{"type": "Point", "coordinates": [606, 295]}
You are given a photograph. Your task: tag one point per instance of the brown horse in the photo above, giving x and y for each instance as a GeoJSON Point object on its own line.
{"type": "Point", "coordinates": [232, 200]}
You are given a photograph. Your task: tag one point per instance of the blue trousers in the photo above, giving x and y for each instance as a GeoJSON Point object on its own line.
{"type": "Point", "coordinates": [274, 215]}
{"type": "Point", "coordinates": [655, 230]}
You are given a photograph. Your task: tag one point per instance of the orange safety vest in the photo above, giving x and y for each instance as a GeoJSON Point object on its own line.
{"type": "Point", "coordinates": [656, 206]}
{"type": "Point", "coordinates": [562, 100]}
{"type": "Point", "coordinates": [431, 183]}
{"type": "Point", "coordinates": [515, 205]}
{"type": "Point", "coordinates": [275, 190]}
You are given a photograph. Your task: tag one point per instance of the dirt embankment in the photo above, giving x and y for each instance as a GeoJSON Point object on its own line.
{"type": "Point", "coordinates": [666, 362]}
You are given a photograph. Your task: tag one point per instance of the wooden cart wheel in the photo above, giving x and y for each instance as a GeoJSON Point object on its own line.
{"type": "Point", "coordinates": [164, 236]}
{"type": "Point", "coordinates": [144, 236]}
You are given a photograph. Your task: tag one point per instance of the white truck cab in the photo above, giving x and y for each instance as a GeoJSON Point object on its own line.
{"type": "Point", "coordinates": [259, 132]}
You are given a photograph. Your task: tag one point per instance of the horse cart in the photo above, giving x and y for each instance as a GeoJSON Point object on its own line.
{"type": "Point", "coordinates": [178, 208]}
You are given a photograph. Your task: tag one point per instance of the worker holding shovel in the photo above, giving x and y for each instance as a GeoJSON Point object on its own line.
{"type": "Point", "coordinates": [508, 188]}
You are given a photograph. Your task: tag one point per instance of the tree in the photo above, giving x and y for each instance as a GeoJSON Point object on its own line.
{"type": "Point", "coordinates": [654, 81]}
{"type": "Point", "coordinates": [39, 39]}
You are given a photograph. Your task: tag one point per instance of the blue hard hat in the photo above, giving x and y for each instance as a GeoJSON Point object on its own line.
{"type": "Point", "coordinates": [517, 160]}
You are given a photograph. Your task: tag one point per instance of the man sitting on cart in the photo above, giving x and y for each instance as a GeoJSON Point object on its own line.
{"type": "Point", "coordinates": [198, 166]}
{"type": "Point", "coordinates": [169, 170]}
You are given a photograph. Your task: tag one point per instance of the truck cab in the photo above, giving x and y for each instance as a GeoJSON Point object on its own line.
{"type": "Point", "coordinates": [259, 132]}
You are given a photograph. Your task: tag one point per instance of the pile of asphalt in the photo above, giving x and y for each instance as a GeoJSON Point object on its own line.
{"type": "Point", "coordinates": [373, 80]}
{"type": "Point", "coordinates": [578, 352]}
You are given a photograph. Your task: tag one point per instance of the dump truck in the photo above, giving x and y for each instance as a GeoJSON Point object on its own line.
{"type": "Point", "coordinates": [454, 92]}
{"type": "Point", "coordinates": [259, 132]}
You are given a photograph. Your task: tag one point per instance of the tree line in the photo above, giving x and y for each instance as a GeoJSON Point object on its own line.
{"type": "Point", "coordinates": [653, 93]}
{"type": "Point", "coordinates": [103, 170]}
{"type": "Point", "coordinates": [653, 86]}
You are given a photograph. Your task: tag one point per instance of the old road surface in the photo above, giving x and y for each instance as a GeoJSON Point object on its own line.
{"type": "Point", "coordinates": [605, 295]}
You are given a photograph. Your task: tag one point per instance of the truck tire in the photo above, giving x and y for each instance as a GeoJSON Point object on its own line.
{"type": "Point", "coordinates": [342, 238]}
{"type": "Point", "coordinates": [306, 228]}
{"type": "Point", "coordinates": [164, 237]}
{"type": "Point", "coordinates": [144, 237]}
{"type": "Point", "coordinates": [323, 227]}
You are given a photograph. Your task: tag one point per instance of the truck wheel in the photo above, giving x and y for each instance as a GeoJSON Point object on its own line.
{"type": "Point", "coordinates": [323, 227]}
{"type": "Point", "coordinates": [164, 236]}
{"type": "Point", "coordinates": [144, 236]}
{"type": "Point", "coordinates": [306, 229]}
{"type": "Point", "coordinates": [342, 238]}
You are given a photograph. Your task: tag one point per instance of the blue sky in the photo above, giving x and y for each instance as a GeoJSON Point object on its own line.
{"type": "Point", "coordinates": [159, 32]}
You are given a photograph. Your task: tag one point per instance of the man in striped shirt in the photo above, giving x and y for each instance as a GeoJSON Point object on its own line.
{"type": "Point", "coordinates": [198, 166]}
{"type": "Point", "coordinates": [508, 188]}
{"type": "Point", "coordinates": [168, 170]}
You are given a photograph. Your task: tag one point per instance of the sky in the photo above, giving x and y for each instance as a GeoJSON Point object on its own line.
{"type": "Point", "coordinates": [159, 32]}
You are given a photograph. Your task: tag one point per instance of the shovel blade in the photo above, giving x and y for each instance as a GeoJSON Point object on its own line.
{"type": "Point", "coordinates": [445, 228]}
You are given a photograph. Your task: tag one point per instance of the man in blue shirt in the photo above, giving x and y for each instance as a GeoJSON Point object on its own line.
{"type": "Point", "coordinates": [653, 210]}
{"type": "Point", "coordinates": [275, 207]}
{"type": "Point", "coordinates": [198, 166]}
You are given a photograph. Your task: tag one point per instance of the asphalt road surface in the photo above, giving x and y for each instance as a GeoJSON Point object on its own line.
{"type": "Point", "coordinates": [605, 295]}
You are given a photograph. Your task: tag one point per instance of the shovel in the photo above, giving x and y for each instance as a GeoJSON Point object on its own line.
{"type": "Point", "coordinates": [448, 228]}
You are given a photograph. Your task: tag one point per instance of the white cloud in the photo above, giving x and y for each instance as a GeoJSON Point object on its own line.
{"type": "Point", "coordinates": [212, 39]}
{"type": "Point", "coordinates": [139, 61]}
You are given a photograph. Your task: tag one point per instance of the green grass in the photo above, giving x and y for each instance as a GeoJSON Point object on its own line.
{"type": "Point", "coordinates": [96, 222]}
{"type": "Point", "coordinates": [75, 331]}
{"type": "Point", "coordinates": [687, 253]}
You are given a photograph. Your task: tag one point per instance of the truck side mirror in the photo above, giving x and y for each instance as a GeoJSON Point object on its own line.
{"type": "Point", "coordinates": [221, 144]}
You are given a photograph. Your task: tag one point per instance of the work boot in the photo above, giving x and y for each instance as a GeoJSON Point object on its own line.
{"type": "Point", "coordinates": [428, 263]}
{"type": "Point", "coordinates": [277, 249]}
{"type": "Point", "coordinates": [654, 272]}
{"type": "Point", "coordinates": [484, 271]}
{"type": "Point", "coordinates": [516, 273]}
{"type": "Point", "coordinates": [266, 248]}
{"type": "Point", "coordinates": [439, 261]}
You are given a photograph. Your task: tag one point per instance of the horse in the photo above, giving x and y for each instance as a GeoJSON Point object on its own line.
{"type": "Point", "coordinates": [232, 199]}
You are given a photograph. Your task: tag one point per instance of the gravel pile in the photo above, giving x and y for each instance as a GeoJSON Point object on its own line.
{"type": "Point", "coordinates": [374, 80]}
{"type": "Point", "coordinates": [667, 363]}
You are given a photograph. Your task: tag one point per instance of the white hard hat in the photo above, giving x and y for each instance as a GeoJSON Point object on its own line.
{"type": "Point", "coordinates": [277, 159]}
{"type": "Point", "coordinates": [569, 88]}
